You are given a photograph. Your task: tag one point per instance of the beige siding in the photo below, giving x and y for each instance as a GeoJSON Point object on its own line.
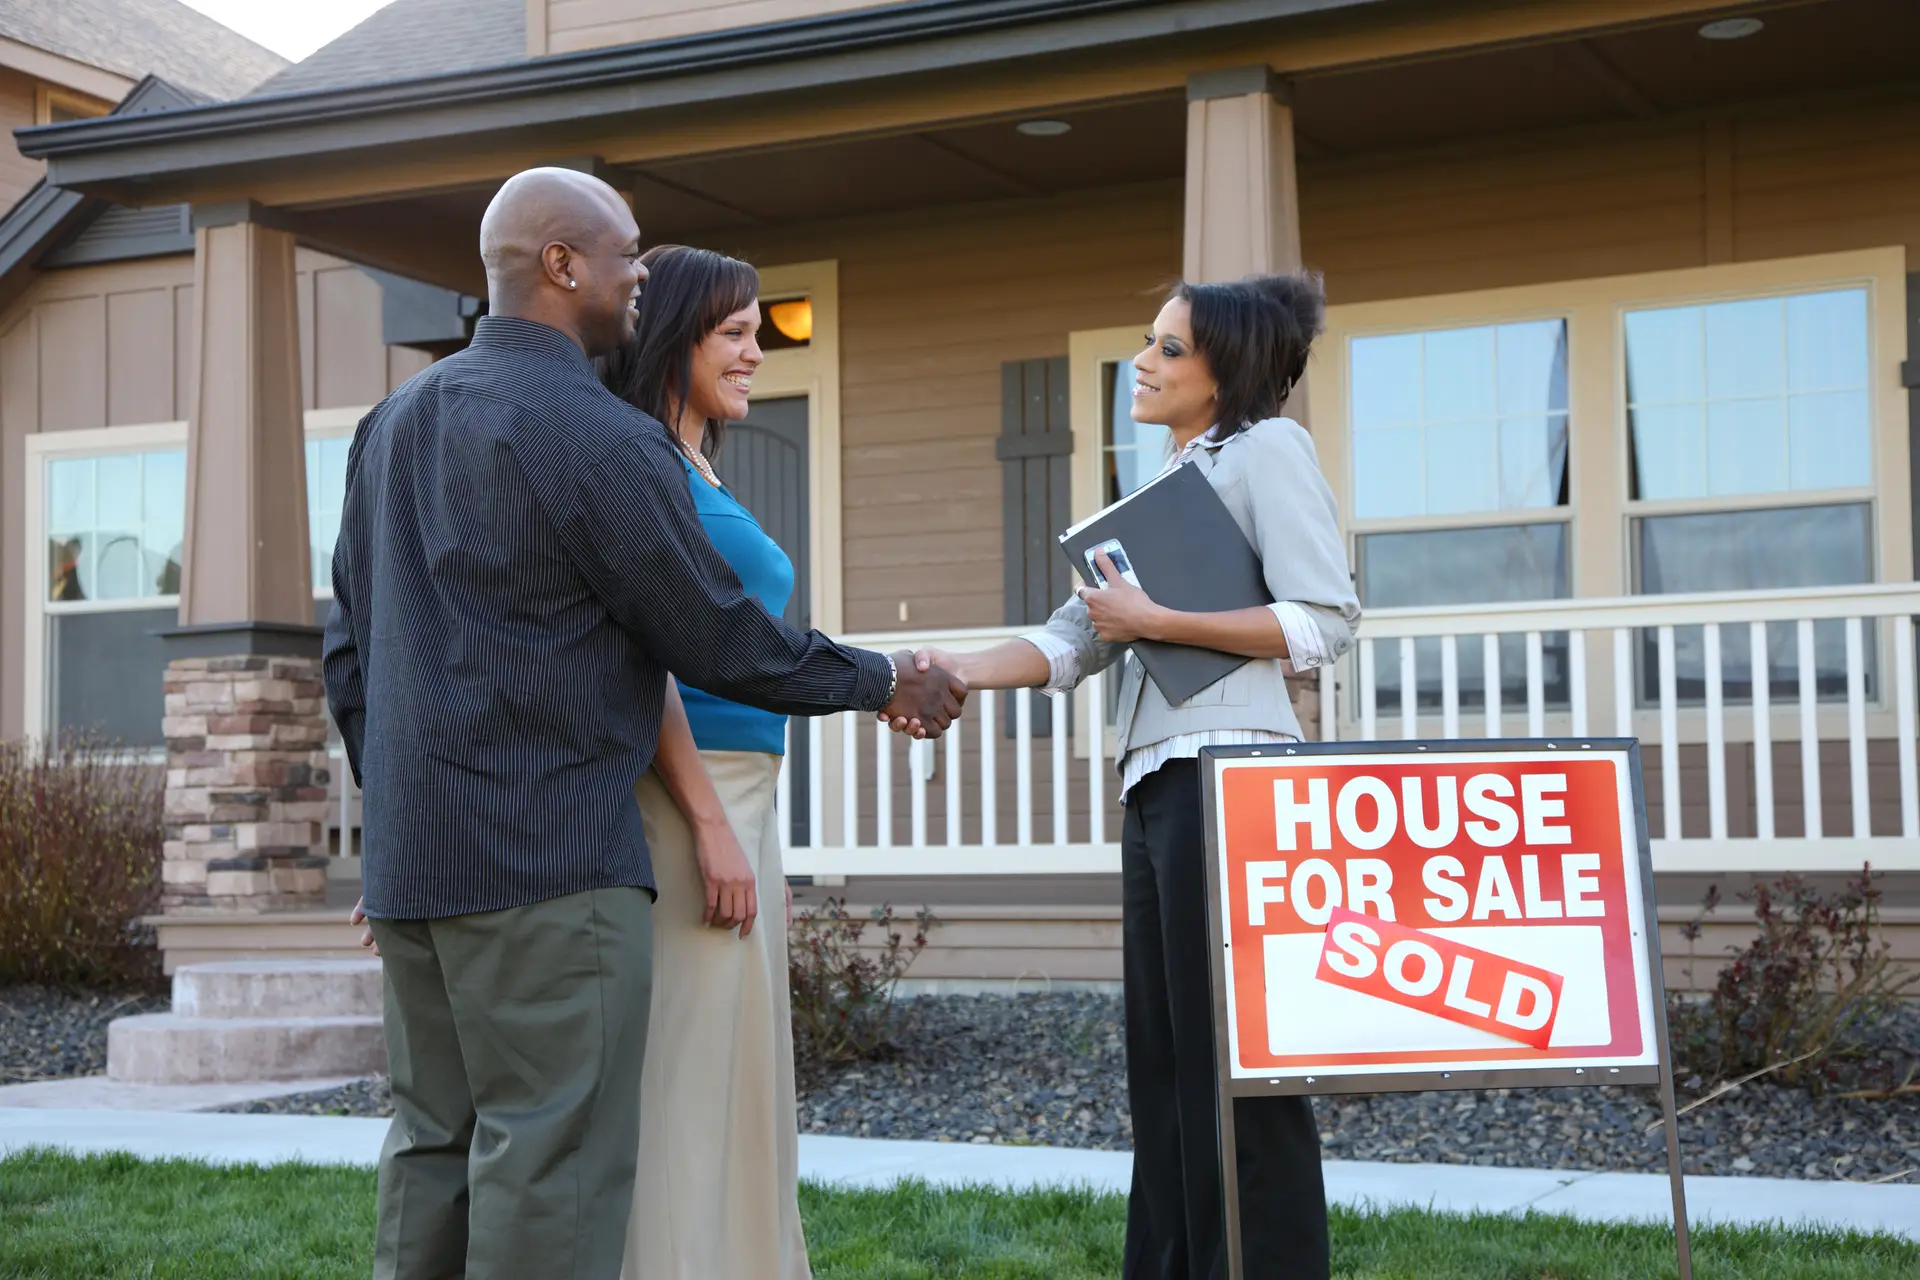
{"type": "Point", "coordinates": [569, 25]}
{"type": "Point", "coordinates": [111, 346]}
{"type": "Point", "coordinates": [1614, 201]}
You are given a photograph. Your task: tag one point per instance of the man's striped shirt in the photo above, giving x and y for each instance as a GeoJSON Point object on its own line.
{"type": "Point", "coordinates": [519, 566]}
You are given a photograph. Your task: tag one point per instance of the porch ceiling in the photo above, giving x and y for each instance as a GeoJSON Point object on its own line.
{"type": "Point", "coordinates": [1648, 73]}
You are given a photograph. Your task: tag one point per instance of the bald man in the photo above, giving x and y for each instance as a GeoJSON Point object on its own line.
{"type": "Point", "coordinates": [519, 567]}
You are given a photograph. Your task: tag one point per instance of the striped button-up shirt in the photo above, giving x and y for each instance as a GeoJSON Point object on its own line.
{"type": "Point", "coordinates": [519, 566]}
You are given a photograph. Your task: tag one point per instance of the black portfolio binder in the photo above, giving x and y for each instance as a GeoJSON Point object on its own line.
{"type": "Point", "coordinates": [1182, 547]}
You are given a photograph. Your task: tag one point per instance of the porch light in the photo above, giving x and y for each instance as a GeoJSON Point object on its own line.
{"type": "Point", "coordinates": [1731, 29]}
{"type": "Point", "coordinates": [793, 318]}
{"type": "Point", "coordinates": [1043, 128]}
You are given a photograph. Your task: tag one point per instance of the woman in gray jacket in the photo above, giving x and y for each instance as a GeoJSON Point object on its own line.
{"type": "Point", "coordinates": [1217, 370]}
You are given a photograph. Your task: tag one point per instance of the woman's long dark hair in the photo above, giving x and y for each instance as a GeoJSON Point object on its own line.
{"type": "Point", "coordinates": [688, 293]}
{"type": "Point", "coordinates": [1255, 335]}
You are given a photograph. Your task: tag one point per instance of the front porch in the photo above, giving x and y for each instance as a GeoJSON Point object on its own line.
{"type": "Point", "coordinates": [976, 257]}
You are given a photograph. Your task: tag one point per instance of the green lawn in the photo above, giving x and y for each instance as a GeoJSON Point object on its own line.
{"type": "Point", "coordinates": [118, 1218]}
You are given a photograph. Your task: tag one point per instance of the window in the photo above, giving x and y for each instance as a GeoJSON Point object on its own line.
{"type": "Point", "coordinates": [1730, 404]}
{"type": "Point", "coordinates": [112, 520]}
{"type": "Point", "coordinates": [1460, 485]}
{"type": "Point", "coordinates": [114, 525]}
{"type": "Point", "coordinates": [326, 495]}
{"type": "Point", "coordinates": [1131, 453]}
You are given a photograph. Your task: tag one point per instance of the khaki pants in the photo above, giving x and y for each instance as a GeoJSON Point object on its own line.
{"type": "Point", "coordinates": [717, 1194]}
{"type": "Point", "coordinates": [515, 1039]}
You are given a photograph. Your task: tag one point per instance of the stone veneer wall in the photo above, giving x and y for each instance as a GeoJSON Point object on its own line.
{"type": "Point", "coordinates": [247, 777]}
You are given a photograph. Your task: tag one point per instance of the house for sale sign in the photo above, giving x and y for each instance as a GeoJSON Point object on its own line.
{"type": "Point", "coordinates": [1447, 911]}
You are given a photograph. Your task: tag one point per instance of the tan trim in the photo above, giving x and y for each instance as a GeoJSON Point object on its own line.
{"type": "Point", "coordinates": [68, 73]}
{"type": "Point", "coordinates": [46, 98]}
{"type": "Point", "coordinates": [814, 371]}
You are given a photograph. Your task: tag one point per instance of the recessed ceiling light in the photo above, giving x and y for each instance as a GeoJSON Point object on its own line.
{"type": "Point", "coordinates": [1044, 128]}
{"type": "Point", "coordinates": [1731, 29]}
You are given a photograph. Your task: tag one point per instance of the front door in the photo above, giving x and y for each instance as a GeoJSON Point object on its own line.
{"type": "Point", "coordinates": [765, 465]}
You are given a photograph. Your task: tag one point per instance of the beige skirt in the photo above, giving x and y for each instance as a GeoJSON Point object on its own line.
{"type": "Point", "coordinates": [717, 1192]}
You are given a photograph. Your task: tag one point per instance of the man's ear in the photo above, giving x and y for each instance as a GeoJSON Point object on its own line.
{"type": "Point", "coordinates": [557, 261]}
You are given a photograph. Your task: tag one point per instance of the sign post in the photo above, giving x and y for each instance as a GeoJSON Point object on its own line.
{"type": "Point", "coordinates": [1392, 916]}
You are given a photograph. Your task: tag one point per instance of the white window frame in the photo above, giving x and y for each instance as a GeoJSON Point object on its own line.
{"type": "Point", "coordinates": [1595, 309]}
{"type": "Point", "coordinates": [1496, 517]}
{"type": "Point", "coordinates": [48, 446]}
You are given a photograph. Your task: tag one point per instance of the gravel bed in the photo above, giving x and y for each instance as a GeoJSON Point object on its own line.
{"type": "Point", "coordinates": [48, 1034]}
{"type": "Point", "coordinates": [1051, 1070]}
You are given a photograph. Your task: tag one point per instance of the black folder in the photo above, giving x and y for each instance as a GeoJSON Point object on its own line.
{"type": "Point", "coordinates": [1185, 551]}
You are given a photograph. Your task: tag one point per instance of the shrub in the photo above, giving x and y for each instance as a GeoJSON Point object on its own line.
{"type": "Point", "coordinates": [81, 833]}
{"type": "Point", "coordinates": [843, 992]}
{"type": "Point", "coordinates": [1817, 974]}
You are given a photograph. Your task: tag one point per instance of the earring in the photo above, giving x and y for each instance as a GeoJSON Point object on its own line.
{"type": "Point", "coordinates": [569, 284]}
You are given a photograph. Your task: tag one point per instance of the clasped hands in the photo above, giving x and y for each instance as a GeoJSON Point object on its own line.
{"type": "Point", "coordinates": [1118, 611]}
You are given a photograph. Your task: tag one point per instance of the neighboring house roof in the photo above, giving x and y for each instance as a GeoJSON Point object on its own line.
{"type": "Point", "coordinates": [141, 37]}
{"type": "Point", "coordinates": [409, 39]}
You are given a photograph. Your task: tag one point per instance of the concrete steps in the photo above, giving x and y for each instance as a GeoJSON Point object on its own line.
{"type": "Point", "coordinates": [267, 1018]}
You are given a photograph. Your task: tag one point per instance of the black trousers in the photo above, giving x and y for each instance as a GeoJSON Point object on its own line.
{"type": "Point", "coordinates": [1175, 1227]}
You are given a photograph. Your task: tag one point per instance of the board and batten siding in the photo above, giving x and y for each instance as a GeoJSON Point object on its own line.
{"type": "Point", "coordinates": [932, 305]}
{"type": "Point", "coordinates": [111, 346]}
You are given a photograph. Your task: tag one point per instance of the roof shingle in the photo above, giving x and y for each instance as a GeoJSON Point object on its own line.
{"type": "Point", "coordinates": [135, 38]}
{"type": "Point", "coordinates": [410, 40]}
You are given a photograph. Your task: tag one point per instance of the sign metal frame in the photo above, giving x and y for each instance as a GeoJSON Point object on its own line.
{"type": "Point", "coordinates": [1228, 1087]}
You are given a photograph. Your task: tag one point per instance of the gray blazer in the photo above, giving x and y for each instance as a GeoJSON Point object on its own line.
{"type": "Point", "coordinates": [1269, 477]}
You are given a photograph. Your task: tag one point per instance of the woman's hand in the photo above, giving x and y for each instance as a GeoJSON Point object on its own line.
{"type": "Point", "coordinates": [1120, 612]}
{"type": "Point", "coordinates": [733, 896]}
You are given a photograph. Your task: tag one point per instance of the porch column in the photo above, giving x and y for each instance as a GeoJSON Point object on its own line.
{"type": "Point", "coordinates": [246, 728]}
{"type": "Point", "coordinates": [1243, 215]}
{"type": "Point", "coordinates": [1243, 202]}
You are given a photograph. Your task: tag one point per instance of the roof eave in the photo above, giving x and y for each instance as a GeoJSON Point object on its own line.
{"type": "Point", "coordinates": [844, 48]}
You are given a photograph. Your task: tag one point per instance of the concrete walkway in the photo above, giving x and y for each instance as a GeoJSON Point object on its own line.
{"type": "Point", "coordinates": [867, 1162]}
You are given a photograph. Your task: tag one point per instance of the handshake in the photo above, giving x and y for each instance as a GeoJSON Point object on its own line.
{"type": "Point", "coordinates": [927, 695]}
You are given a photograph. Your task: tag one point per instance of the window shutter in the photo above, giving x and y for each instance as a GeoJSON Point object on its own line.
{"type": "Point", "coordinates": [1035, 451]}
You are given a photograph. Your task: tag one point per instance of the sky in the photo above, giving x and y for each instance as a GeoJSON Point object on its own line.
{"type": "Point", "coordinates": [291, 28]}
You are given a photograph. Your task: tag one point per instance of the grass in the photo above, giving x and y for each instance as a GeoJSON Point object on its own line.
{"type": "Point", "coordinates": [119, 1218]}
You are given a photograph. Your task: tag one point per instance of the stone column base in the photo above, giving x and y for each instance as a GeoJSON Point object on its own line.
{"type": "Point", "coordinates": [247, 777]}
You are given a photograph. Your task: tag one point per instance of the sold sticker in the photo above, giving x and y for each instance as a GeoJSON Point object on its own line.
{"type": "Point", "coordinates": [1438, 976]}
{"type": "Point", "coordinates": [1399, 912]}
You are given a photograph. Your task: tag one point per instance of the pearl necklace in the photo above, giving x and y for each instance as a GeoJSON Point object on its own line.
{"type": "Point", "coordinates": [700, 464]}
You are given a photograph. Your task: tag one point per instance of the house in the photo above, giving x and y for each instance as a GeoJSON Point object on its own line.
{"type": "Point", "coordinates": [1615, 396]}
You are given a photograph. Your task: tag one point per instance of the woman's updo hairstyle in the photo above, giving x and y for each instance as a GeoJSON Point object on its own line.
{"type": "Point", "coordinates": [1255, 335]}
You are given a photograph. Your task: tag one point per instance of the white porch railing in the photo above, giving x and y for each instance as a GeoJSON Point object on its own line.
{"type": "Point", "coordinates": [1811, 769]}
{"type": "Point", "coordinates": [1741, 775]}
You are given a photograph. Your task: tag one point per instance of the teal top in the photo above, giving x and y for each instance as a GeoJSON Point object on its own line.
{"type": "Point", "coordinates": [767, 575]}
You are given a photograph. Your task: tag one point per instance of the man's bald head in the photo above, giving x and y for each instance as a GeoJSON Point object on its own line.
{"type": "Point", "coordinates": [561, 248]}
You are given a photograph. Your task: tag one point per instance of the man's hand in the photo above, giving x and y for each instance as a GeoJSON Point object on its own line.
{"type": "Point", "coordinates": [925, 700]}
{"type": "Point", "coordinates": [359, 916]}
{"type": "Point", "coordinates": [1119, 611]}
{"type": "Point", "coordinates": [733, 896]}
